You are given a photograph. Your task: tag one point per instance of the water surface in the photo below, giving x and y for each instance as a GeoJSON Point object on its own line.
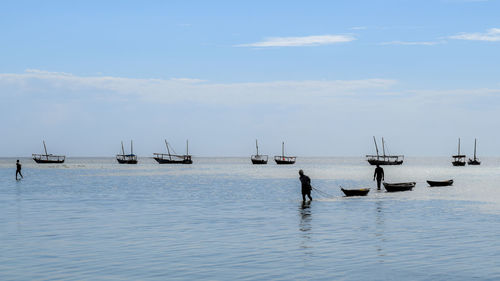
{"type": "Point", "coordinates": [225, 219]}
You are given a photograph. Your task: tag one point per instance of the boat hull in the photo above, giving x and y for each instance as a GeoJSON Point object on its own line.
{"type": "Point", "coordinates": [458, 163]}
{"type": "Point", "coordinates": [440, 183]}
{"type": "Point", "coordinates": [355, 192]}
{"type": "Point", "coordinates": [40, 161]}
{"type": "Point", "coordinates": [397, 187]}
{"type": "Point", "coordinates": [259, 162]}
{"type": "Point", "coordinates": [384, 162]}
{"type": "Point", "coordinates": [474, 162]}
{"type": "Point", "coordinates": [126, 161]}
{"type": "Point", "coordinates": [284, 162]}
{"type": "Point", "coordinates": [168, 161]}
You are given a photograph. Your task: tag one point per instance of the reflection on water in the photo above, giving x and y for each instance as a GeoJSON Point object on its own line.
{"type": "Point", "coordinates": [305, 226]}
{"type": "Point", "coordinates": [379, 229]}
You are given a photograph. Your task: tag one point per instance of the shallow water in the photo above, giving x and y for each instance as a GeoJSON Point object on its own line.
{"type": "Point", "coordinates": [225, 219]}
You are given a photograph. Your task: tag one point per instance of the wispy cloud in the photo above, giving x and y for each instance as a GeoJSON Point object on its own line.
{"type": "Point", "coordinates": [413, 43]}
{"type": "Point", "coordinates": [315, 40]}
{"type": "Point", "coordinates": [491, 35]}
{"type": "Point", "coordinates": [359, 28]}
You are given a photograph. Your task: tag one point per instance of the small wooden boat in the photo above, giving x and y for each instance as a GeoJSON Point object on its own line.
{"type": "Point", "coordinates": [440, 183]}
{"type": "Point", "coordinates": [395, 187]}
{"type": "Point", "coordinates": [474, 161]}
{"type": "Point", "coordinates": [355, 192]}
{"type": "Point", "coordinates": [48, 158]}
{"type": "Point", "coordinates": [258, 159]}
{"type": "Point", "coordinates": [173, 158]}
{"type": "Point", "coordinates": [284, 160]}
{"type": "Point", "coordinates": [384, 159]}
{"type": "Point", "coordinates": [127, 158]}
{"type": "Point", "coordinates": [459, 159]}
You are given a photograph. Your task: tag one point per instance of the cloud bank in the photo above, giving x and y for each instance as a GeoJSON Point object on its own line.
{"type": "Point", "coordinates": [35, 83]}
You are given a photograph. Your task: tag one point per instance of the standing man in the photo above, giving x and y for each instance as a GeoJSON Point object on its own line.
{"type": "Point", "coordinates": [379, 174]}
{"type": "Point", "coordinates": [18, 169]}
{"type": "Point", "coordinates": [306, 186]}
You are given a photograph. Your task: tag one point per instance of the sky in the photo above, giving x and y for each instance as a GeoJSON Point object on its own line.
{"type": "Point", "coordinates": [322, 76]}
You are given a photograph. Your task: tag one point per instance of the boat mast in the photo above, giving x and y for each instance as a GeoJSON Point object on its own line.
{"type": "Point", "coordinates": [131, 148]}
{"type": "Point", "coordinates": [187, 147]}
{"type": "Point", "coordinates": [458, 147]}
{"type": "Point", "coordinates": [475, 149]}
{"type": "Point", "coordinates": [168, 149]}
{"type": "Point", "coordinates": [257, 146]}
{"type": "Point", "coordinates": [45, 148]}
{"type": "Point", "coordinates": [123, 150]}
{"type": "Point", "coordinates": [283, 150]}
{"type": "Point", "coordinates": [383, 146]}
{"type": "Point", "coordinates": [376, 147]}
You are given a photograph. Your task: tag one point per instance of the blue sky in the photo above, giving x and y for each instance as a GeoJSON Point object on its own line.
{"type": "Point", "coordinates": [324, 76]}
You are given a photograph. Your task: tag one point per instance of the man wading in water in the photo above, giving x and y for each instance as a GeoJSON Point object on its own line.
{"type": "Point", "coordinates": [379, 174]}
{"type": "Point", "coordinates": [306, 186]}
{"type": "Point", "coordinates": [18, 169]}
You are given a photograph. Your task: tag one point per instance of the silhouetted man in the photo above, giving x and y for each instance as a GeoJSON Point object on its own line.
{"type": "Point", "coordinates": [18, 169]}
{"type": "Point", "coordinates": [306, 186]}
{"type": "Point", "coordinates": [379, 174]}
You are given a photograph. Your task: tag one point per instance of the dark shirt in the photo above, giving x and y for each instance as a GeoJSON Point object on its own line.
{"type": "Point", "coordinates": [379, 173]}
{"type": "Point", "coordinates": [18, 166]}
{"type": "Point", "coordinates": [306, 183]}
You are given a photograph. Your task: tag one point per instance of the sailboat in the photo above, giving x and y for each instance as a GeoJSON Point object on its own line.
{"type": "Point", "coordinates": [258, 158]}
{"type": "Point", "coordinates": [48, 158]}
{"type": "Point", "coordinates": [459, 159]}
{"type": "Point", "coordinates": [169, 158]}
{"type": "Point", "coordinates": [284, 160]}
{"type": "Point", "coordinates": [474, 161]}
{"type": "Point", "coordinates": [127, 158]}
{"type": "Point", "coordinates": [384, 159]}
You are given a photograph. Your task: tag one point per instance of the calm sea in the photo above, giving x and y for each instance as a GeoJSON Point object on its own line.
{"type": "Point", "coordinates": [224, 219]}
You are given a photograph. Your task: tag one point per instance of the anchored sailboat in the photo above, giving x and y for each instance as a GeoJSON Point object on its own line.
{"type": "Point", "coordinates": [127, 158]}
{"type": "Point", "coordinates": [384, 159]}
{"type": "Point", "coordinates": [284, 160]}
{"type": "Point", "coordinates": [169, 158]}
{"type": "Point", "coordinates": [258, 158]}
{"type": "Point", "coordinates": [474, 161]}
{"type": "Point", "coordinates": [48, 158]}
{"type": "Point", "coordinates": [459, 159]}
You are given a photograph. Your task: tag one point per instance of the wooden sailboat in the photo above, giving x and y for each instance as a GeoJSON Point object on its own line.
{"type": "Point", "coordinates": [459, 159]}
{"type": "Point", "coordinates": [169, 158]}
{"type": "Point", "coordinates": [384, 159]}
{"type": "Point", "coordinates": [127, 158]}
{"type": "Point", "coordinates": [48, 158]}
{"type": "Point", "coordinates": [284, 160]}
{"type": "Point", "coordinates": [474, 161]}
{"type": "Point", "coordinates": [258, 158]}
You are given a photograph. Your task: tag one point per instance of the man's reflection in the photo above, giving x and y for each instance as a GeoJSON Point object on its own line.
{"type": "Point", "coordinates": [305, 225]}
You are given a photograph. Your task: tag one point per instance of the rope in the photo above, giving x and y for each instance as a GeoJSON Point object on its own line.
{"type": "Point", "coordinates": [321, 192]}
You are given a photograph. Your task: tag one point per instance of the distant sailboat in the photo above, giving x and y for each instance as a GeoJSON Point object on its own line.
{"type": "Point", "coordinates": [127, 158]}
{"type": "Point", "coordinates": [459, 159]}
{"type": "Point", "coordinates": [258, 158]}
{"type": "Point", "coordinates": [384, 159]}
{"type": "Point", "coordinates": [284, 160]}
{"type": "Point", "coordinates": [48, 158]}
{"type": "Point", "coordinates": [474, 161]}
{"type": "Point", "coordinates": [169, 158]}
